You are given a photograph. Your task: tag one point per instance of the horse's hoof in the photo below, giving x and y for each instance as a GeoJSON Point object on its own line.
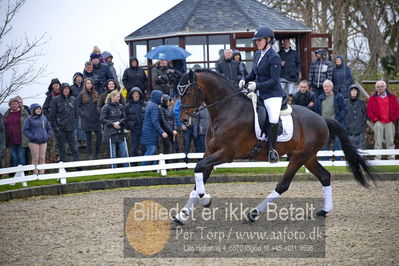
{"type": "Point", "coordinates": [322, 213]}
{"type": "Point", "coordinates": [252, 215]}
{"type": "Point", "coordinates": [182, 217]}
{"type": "Point", "coordinates": [206, 201]}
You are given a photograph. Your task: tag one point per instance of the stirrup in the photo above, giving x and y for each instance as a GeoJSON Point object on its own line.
{"type": "Point", "coordinates": [273, 156]}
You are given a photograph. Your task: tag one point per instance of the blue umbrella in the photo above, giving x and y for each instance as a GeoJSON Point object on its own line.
{"type": "Point", "coordinates": [167, 52]}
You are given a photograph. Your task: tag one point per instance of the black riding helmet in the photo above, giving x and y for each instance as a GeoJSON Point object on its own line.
{"type": "Point", "coordinates": [165, 99]}
{"type": "Point", "coordinates": [264, 32]}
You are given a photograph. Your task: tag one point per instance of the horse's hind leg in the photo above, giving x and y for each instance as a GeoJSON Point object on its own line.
{"type": "Point", "coordinates": [296, 161]}
{"type": "Point", "coordinates": [324, 177]}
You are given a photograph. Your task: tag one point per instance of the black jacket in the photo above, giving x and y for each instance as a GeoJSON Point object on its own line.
{"type": "Point", "coordinates": [89, 114]}
{"type": "Point", "coordinates": [134, 77]}
{"type": "Point", "coordinates": [110, 113]}
{"type": "Point", "coordinates": [356, 116]}
{"type": "Point", "coordinates": [167, 119]}
{"type": "Point", "coordinates": [230, 69]}
{"type": "Point", "coordinates": [64, 113]}
{"type": "Point", "coordinates": [292, 67]}
{"type": "Point", "coordinates": [304, 98]}
{"type": "Point", "coordinates": [104, 74]}
{"type": "Point", "coordinates": [135, 111]}
{"type": "Point", "coordinates": [49, 98]}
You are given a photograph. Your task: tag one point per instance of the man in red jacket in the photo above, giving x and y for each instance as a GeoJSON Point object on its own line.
{"type": "Point", "coordinates": [383, 112]}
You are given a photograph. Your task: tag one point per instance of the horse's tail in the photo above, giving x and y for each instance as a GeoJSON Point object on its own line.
{"type": "Point", "coordinates": [356, 163]}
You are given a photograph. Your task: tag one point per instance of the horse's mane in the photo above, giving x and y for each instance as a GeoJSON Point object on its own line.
{"type": "Point", "coordinates": [226, 81]}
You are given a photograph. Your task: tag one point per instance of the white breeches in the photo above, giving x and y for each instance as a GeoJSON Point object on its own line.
{"type": "Point", "coordinates": [273, 106]}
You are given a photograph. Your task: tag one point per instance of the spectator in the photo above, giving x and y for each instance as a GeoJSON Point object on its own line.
{"type": "Point", "coordinates": [159, 77]}
{"type": "Point", "coordinates": [90, 117]}
{"type": "Point", "coordinates": [108, 61]}
{"type": "Point", "coordinates": [290, 67]}
{"type": "Point", "coordinates": [21, 104]}
{"type": "Point", "coordinates": [320, 70]}
{"type": "Point", "coordinates": [88, 72]}
{"type": "Point", "coordinates": [229, 68]}
{"type": "Point", "coordinates": [54, 89]}
{"type": "Point", "coordinates": [2, 139]}
{"type": "Point", "coordinates": [356, 117]}
{"type": "Point", "coordinates": [201, 125]}
{"type": "Point", "coordinates": [174, 76]}
{"type": "Point", "coordinates": [242, 66]}
{"type": "Point", "coordinates": [76, 88]}
{"type": "Point", "coordinates": [188, 131]}
{"type": "Point", "coordinates": [151, 125]}
{"type": "Point", "coordinates": [38, 131]}
{"type": "Point", "coordinates": [168, 124]}
{"type": "Point", "coordinates": [304, 96]}
{"type": "Point", "coordinates": [14, 120]}
{"type": "Point", "coordinates": [113, 118]}
{"type": "Point", "coordinates": [135, 109]}
{"type": "Point", "coordinates": [102, 71]}
{"type": "Point", "coordinates": [134, 76]}
{"type": "Point", "coordinates": [342, 77]}
{"type": "Point", "coordinates": [331, 105]}
{"type": "Point", "coordinates": [63, 119]}
{"type": "Point", "coordinates": [110, 86]}
{"type": "Point", "coordinates": [77, 85]}
{"type": "Point", "coordinates": [96, 50]}
{"type": "Point", "coordinates": [383, 112]}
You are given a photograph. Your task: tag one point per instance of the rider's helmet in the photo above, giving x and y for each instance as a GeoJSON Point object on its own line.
{"type": "Point", "coordinates": [264, 32]}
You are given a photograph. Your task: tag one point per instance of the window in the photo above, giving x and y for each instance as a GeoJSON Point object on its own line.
{"type": "Point", "coordinates": [139, 50]}
{"type": "Point", "coordinates": [196, 45]}
{"type": "Point", "coordinates": [154, 43]}
{"type": "Point", "coordinates": [172, 41]}
{"type": "Point", "coordinates": [319, 42]}
{"type": "Point", "coordinates": [217, 43]}
{"type": "Point", "coordinates": [244, 42]}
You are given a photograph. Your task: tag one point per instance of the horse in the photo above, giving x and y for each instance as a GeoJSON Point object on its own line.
{"type": "Point", "coordinates": [231, 136]}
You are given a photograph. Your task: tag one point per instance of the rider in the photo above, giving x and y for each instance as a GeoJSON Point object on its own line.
{"type": "Point", "coordinates": [265, 79]}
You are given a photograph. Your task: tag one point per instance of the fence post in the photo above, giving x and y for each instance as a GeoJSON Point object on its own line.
{"type": "Point", "coordinates": [162, 162]}
{"type": "Point", "coordinates": [21, 174]}
{"type": "Point", "coordinates": [62, 172]}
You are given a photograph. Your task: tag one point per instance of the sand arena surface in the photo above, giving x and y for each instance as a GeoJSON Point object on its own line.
{"type": "Point", "coordinates": [87, 228]}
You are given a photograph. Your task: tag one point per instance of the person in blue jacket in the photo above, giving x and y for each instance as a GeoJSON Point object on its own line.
{"type": "Point", "coordinates": [265, 80]}
{"type": "Point", "coordinates": [151, 126]}
{"type": "Point", "coordinates": [38, 130]}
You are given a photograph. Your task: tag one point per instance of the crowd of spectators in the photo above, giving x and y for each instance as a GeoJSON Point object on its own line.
{"type": "Point", "coordinates": [95, 105]}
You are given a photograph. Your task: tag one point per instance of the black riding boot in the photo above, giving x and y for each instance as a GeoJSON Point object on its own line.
{"type": "Point", "coordinates": [272, 138]}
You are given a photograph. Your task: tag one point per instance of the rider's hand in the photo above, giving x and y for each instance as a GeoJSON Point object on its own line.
{"type": "Point", "coordinates": [241, 84]}
{"type": "Point", "coordinates": [183, 127]}
{"type": "Point", "coordinates": [252, 86]}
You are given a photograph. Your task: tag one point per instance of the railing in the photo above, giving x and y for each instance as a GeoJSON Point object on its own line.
{"type": "Point", "coordinates": [162, 165]}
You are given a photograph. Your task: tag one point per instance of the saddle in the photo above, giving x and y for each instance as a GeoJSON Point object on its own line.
{"type": "Point", "coordinates": [263, 117]}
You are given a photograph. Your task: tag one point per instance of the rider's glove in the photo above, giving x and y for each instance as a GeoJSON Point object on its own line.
{"type": "Point", "coordinates": [252, 86]}
{"type": "Point", "coordinates": [241, 84]}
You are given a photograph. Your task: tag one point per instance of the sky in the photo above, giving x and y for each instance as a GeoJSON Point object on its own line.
{"type": "Point", "coordinates": [73, 27]}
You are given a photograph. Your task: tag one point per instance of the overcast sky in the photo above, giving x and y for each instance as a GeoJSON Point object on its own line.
{"type": "Point", "coordinates": [74, 27]}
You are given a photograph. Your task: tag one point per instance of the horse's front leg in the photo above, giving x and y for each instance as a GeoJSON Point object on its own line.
{"type": "Point", "coordinates": [202, 172]}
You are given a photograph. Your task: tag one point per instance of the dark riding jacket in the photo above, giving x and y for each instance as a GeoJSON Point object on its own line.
{"type": "Point", "coordinates": [266, 74]}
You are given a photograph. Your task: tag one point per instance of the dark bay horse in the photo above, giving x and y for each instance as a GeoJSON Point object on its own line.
{"type": "Point", "coordinates": [231, 135]}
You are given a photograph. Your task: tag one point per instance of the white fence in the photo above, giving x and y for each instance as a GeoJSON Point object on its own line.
{"type": "Point", "coordinates": [161, 165]}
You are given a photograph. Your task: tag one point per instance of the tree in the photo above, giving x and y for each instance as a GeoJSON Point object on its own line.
{"type": "Point", "coordinates": [18, 58]}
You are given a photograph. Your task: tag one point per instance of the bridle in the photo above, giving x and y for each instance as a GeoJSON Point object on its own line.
{"type": "Point", "coordinates": [182, 89]}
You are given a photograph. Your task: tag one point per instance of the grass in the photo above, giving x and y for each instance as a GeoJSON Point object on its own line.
{"type": "Point", "coordinates": [234, 171]}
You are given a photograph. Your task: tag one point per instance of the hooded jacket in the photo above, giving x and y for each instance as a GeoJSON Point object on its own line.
{"type": "Point", "coordinates": [100, 75]}
{"type": "Point", "coordinates": [160, 79]}
{"type": "Point", "coordinates": [111, 113]}
{"type": "Point", "coordinates": [167, 117]}
{"type": "Point", "coordinates": [49, 97]}
{"type": "Point", "coordinates": [151, 126]}
{"type": "Point", "coordinates": [134, 77]}
{"type": "Point", "coordinates": [355, 113]}
{"type": "Point", "coordinates": [135, 111]}
{"type": "Point", "coordinates": [320, 70]}
{"type": "Point", "coordinates": [110, 64]}
{"type": "Point", "coordinates": [64, 111]}
{"type": "Point", "coordinates": [37, 128]}
{"type": "Point", "coordinates": [242, 66]}
{"type": "Point", "coordinates": [76, 88]}
{"type": "Point", "coordinates": [342, 77]}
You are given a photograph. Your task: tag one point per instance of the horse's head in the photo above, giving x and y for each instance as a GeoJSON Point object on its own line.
{"type": "Point", "coordinates": [191, 97]}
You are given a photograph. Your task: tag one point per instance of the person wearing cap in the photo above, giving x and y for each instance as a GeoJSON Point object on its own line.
{"type": "Point", "coordinates": [290, 67]}
{"type": "Point", "coordinates": [108, 60]}
{"type": "Point", "coordinates": [100, 70]}
{"type": "Point", "coordinates": [38, 131]}
{"type": "Point", "coordinates": [64, 119]}
{"type": "Point", "coordinates": [264, 79]}
{"type": "Point", "coordinates": [320, 70]}
{"type": "Point", "coordinates": [356, 116]}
